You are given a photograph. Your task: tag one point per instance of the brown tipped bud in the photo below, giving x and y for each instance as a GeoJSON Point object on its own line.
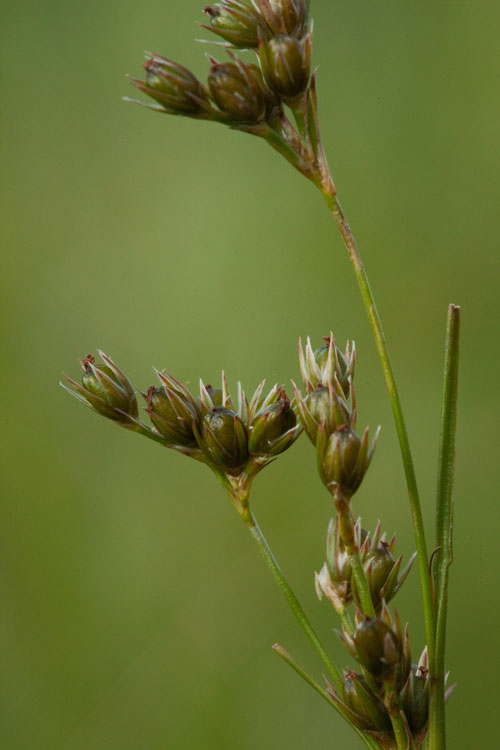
{"type": "Point", "coordinates": [332, 364]}
{"type": "Point", "coordinates": [172, 410]}
{"type": "Point", "coordinates": [238, 92]}
{"type": "Point", "coordinates": [284, 16]}
{"type": "Point", "coordinates": [174, 87]}
{"type": "Point", "coordinates": [106, 389]}
{"type": "Point", "coordinates": [224, 438]}
{"type": "Point", "coordinates": [285, 63]}
{"type": "Point", "coordinates": [274, 428]}
{"type": "Point", "coordinates": [416, 699]}
{"type": "Point", "coordinates": [236, 22]}
{"type": "Point", "coordinates": [216, 395]}
{"type": "Point", "coordinates": [343, 458]}
{"type": "Point", "coordinates": [327, 365]}
{"type": "Point", "coordinates": [378, 566]}
{"type": "Point", "coordinates": [369, 710]}
{"type": "Point", "coordinates": [383, 650]}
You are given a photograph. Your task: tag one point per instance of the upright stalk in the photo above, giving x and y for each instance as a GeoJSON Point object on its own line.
{"type": "Point", "coordinates": [287, 592]}
{"type": "Point", "coordinates": [383, 353]}
{"type": "Point", "coordinates": [444, 526]}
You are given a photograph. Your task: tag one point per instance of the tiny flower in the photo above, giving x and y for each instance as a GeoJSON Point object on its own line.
{"type": "Point", "coordinates": [382, 647]}
{"type": "Point", "coordinates": [236, 22]}
{"type": "Point", "coordinates": [223, 438]}
{"type": "Point", "coordinates": [284, 16]}
{"type": "Point", "coordinates": [334, 579]}
{"type": "Point", "coordinates": [415, 694]}
{"type": "Point", "coordinates": [378, 648]}
{"type": "Point", "coordinates": [368, 711]}
{"type": "Point", "coordinates": [274, 428]}
{"type": "Point", "coordinates": [173, 410]}
{"type": "Point", "coordinates": [105, 389]}
{"type": "Point", "coordinates": [238, 91]}
{"type": "Point", "coordinates": [343, 458]}
{"type": "Point", "coordinates": [286, 64]}
{"type": "Point", "coordinates": [323, 406]}
{"type": "Point", "coordinates": [174, 87]}
{"type": "Point", "coordinates": [327, 365]}
{"type": "Point", "coordinates": [382, 574]}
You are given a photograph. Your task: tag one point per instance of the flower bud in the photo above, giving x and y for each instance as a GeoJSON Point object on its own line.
{"type": "Point", "coordinates": [378, 649]}
{"type": "Point", "coordinates": [285, 64]}
{"type": "Point", "coordinates": [174, 87]}
{"type": "Point", "coordinates": [322, 407]}
{"type": "Point", "coordinates": [327, 365]}
{"type": "Point", "coordinates": [343, 364]}
{"type": "Point", "coordinates": [238, 92]}
{"type": "Point", "coordinates": [334, 579]}
{"type": "Point", "coordinates": [378, 567]}
{"type": "Point", "coordinates": [236, 22]}
{"type": "Point", "coordinates": [416, 700]}
{"type": "Point", "coordinates": [370, 712]}
{"type": "Point", "coordinates": [284, 16]}
{"type": "Point", "coordinates": [274, 428]}
{"type": "Point", "coordinates": [224, 438]}
{"type": "Point", "coordinates": [382, 647]}
{"type": "Point", "coordinates": [173, 410]}
{"type": "Point", "coordinates": [106, 389]}
{"type": "Point", "coordinates": [343, 458]}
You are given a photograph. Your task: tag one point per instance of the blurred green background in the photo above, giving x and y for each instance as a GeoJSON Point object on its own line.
{"type": "Point", "coordinates": [135, 611]}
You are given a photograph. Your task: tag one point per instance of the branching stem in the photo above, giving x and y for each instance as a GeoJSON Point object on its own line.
{"type": "Point", "coordinates": [383, 353]}
{"type": "Point", "coordinates": [292, 600]}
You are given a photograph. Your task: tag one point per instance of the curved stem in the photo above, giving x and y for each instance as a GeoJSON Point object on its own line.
{"type": "Point", "coordinates": [283, 654]}
{"type": "Point", "coordinates": [383, 353]}
{"type": "Point", "coordinates": [444, 525]}
{"type": "Point", "coordinates": [287, 592]}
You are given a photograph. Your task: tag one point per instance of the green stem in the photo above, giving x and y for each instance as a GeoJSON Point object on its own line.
{"type": "Point", "coordinates": [346, 527]}
{"type": "Point", "coordinates": [292, 600]}
{"type": "Point", "coordinates": [399, 729]}
{"type": "Point", "coordinates": [283, 654]}
{"type": "Point", "coordinates": [383, 352]}
{"type": "Point", "coordinates": [444, 525]}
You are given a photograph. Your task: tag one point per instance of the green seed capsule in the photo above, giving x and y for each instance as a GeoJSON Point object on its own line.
{"type": "Point", "coordinates": [237, 92]}
{"type": "Point", "coordinates": [224, 438]}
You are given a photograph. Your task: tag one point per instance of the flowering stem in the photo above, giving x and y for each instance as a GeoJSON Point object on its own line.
{"type": "Point", "coordinates": [287, 592]}
{"type": "Point", "coordinates": [383, 353]}
{"type": "Point", "coordinates": [444, 526]}
{"type": "Point", "coordinates": [283, 654]}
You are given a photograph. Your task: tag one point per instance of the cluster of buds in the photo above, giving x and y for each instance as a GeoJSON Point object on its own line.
{"type": "Point", "coordinates": [383, 572]}
{"type": "Point", "coordinates": [235, 440]}
{"type": "Point", "coordinates": [328, 414]}
{"type": "Point", "coordinates": [251, 97]}
{"type": "Point", "coordinates": [388, 685]}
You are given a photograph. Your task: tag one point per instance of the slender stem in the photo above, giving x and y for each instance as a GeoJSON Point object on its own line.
{"type": "Point", "coordinates": [283, 654]}
{"type": "Point", "coordinates": [383, 352]}
{"type": "Point", "coordinates": [292, 600]}
{"type": "Point", "coordinates": [444, 525]}
{"type": "Point", "coordinates": [346, 527]}
{"type": "Point", "coordinates": [399, 729]}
